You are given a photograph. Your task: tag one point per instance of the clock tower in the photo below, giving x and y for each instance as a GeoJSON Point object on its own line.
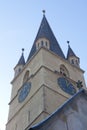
{"type": "Point", "coordinates": [44, 82]}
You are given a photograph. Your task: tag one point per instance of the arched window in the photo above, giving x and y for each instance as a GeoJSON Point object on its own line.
{"type": "Point", "coordinates": [19, 70]}
{"type": "Point", "coordinates": [46, 43]}
{"type": "Point", "coordinates": [26, 76]}
{"type": "Point", "coordinates": [75, 61]}
{"type": "Point", "coordinates": [72, 61]}
{"type": "Point", "coordinates": [42, 43]}
{"type": "Point", "coordinates": [64, 71]}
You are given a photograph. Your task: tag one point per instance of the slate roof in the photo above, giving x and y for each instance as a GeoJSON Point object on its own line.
{"type": "Point", "coordinates": [72, 115]}
{"type": "Point", "coordinates": [46, 32]}
{"type": "Point", "coordinates": [21, 60]}
{"type": "Point", "coordinates": [70, 52]}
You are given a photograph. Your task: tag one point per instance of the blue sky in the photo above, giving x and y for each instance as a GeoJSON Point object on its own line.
{"type": "Point", "coordinates": [19, 23]}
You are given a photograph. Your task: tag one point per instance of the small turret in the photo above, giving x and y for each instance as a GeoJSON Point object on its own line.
{"type": "Point", "coordinates": [71, 57]}
{"type": "Point", "coordinates": [20, 64]}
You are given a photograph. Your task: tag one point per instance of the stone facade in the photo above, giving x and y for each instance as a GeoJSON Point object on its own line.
{"type": "Point", "coordinates": [45, 95]}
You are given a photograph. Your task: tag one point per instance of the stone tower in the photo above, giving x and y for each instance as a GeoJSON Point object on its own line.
{"type": "Point", "coordinates": [44, 82]}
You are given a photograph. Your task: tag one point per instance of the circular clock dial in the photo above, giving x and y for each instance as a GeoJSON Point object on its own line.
{"type": "Point", "coordinates": [66, 86]}
{"type": "Point", "coordinates": [23, 93]}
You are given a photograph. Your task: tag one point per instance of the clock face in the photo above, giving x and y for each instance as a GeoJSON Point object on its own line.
{"type": "Point", "coordinates": [24, 91]}
{"type": "Point", "coordinates": [66, 86]}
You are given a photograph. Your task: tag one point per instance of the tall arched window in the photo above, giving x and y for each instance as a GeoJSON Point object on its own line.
{"type": "Point", "coordinates": [64, 71]}
{"type": "Point", "coordinates": [26, 76]}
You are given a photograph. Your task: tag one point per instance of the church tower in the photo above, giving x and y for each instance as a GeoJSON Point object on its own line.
{"type": "Point", "coordinates": [44, 82]}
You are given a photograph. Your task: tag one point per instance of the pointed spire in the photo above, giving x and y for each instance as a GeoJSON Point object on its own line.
{"type": "Point", "coordinates": [43, 12]}
{"type": "Point", "coordinates": [21, 60]}
{"type": "Point", "coordinates": [46, 32]}
{"type": "Point", "coordinates": [20, 64]}
{"type": "Point", "coordinates": [71, 57]}
{"type": "Point", "coordinates": [70, 51]}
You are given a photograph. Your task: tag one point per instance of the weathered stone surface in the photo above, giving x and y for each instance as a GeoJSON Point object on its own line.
{"type": "Point", "coordinates": [71, 116]}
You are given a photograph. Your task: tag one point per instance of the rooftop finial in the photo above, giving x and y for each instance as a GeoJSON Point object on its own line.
{"type": "Point", "coordinates": [43, 12]}
{"type": "Point", "coordinates": [22, 50]}
{"type": "Point", "coordinates": [68, 43]}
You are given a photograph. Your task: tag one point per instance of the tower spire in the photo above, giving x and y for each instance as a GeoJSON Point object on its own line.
{"type": "Point", "coordinates": [22, 50]}
{"type": "Point", "coordinates": [70, 51]}
{"type": "Point", "coordinates": [68, 43]}
{"type": "Point", "coordinates": [46, 32]}
{"type": "Point", "coordinates": [43, 12]}
{"type": "Point", "coordinates": [21, 60]}
{"type": "Point", "coordinates": [71, 56]}
{"type": "Point", "coordinates": [20, 64]}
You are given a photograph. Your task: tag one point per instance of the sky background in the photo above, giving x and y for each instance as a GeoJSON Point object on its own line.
{"type": "Point", "coordinates": [19, 23]}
